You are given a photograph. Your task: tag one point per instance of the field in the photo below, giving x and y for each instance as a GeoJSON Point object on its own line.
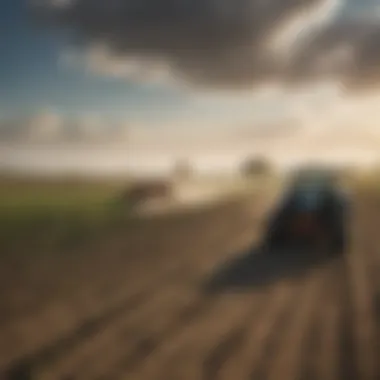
{"type": "Point", "coordinates": [135, 302]}
{"type": "Point", "coordinates": [48, 213]}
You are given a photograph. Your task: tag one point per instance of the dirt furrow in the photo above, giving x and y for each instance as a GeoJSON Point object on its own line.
{"type": "Point", "coordinates": [181, 356]}
{"type": "Point", "coordinates": [363, 310]}
{"type": "Point", "coordinates": [231, 342]}
{"type": "Point", "coordinates": [249, 353]}
{"type": "Point", "coordinates": [288, 354]}
{"type": "Point", "coordinates": [25, 339]}
{"type": "Point", "coordinates": [219, 238]}
{"type": "Point", "coordinates": [157, 329]}
{"type": "Point", "coordinates": [91, 348]}
{"type": "Point", "coordinates": [326, 359]}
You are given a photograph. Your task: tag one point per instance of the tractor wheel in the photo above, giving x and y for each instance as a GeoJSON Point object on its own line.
{"type": "Point", "coordinates": [338, 241]}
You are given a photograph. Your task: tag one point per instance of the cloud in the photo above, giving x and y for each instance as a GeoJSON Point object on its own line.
{"type": "Point", "coordinates": [348, 50]}
{"type": "Point", "coordinates": [49, 126]}
{"type": "Point", "coordinates": [90, 128]}
{"type": "Point", "coordinates": [44, 126]}
{"type": "Point", "coordinates": [224, 43]}
{"type": "Point", "coordinates": [10, 130]}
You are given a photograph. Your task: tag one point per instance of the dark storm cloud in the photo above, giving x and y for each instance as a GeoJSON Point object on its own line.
{"type": "Point", "coordinates": [221, 42]}
{"type": "Point", "coordinates": [348, 50]}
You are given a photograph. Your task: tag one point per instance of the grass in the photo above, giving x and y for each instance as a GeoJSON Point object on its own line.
{"type": "Point", "coordinates": [56, 212]}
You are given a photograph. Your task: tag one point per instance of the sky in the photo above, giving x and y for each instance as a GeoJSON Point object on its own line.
{"type": "Point", "coordinates": [106, 85]}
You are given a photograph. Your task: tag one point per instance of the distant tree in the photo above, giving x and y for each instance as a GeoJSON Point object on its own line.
{"type": "Point", "coordinates": [256, 166]}
{"type": "Point", "coordinates": [182, 169]}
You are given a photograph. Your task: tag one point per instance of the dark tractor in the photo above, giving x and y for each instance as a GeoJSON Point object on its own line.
{"type": "Point", "coordinates": [312, 214]}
